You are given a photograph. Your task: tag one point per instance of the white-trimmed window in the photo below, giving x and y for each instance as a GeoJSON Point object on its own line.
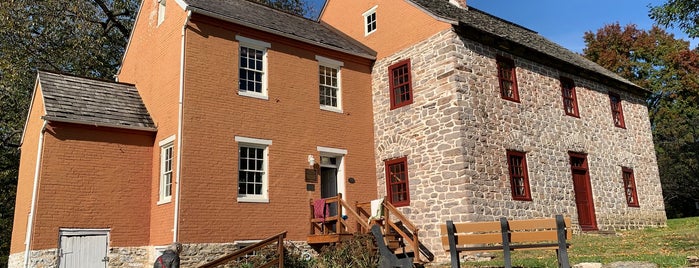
{"type": "Point", "coordinates": [166, 167]}
{"type": "Point", "coordinates": [252, 67]}
{"type": "Point", "coordinates": [245, 243]}
{"type": "Point", "coordinates": [161, 11]}
{"type": "Point", "coordinates": [252, 169]}
{"type": "Point", "coordinates": [370, 21]}
{"type": "Point", "coordinates": [329, 84]}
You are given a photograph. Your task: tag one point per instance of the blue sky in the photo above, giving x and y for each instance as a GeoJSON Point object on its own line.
{"type": "Point", "coordinates": [566, 21]}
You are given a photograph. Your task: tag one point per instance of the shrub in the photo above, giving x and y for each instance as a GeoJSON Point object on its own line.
{"type": "Point", "coordinates": [356, 252]}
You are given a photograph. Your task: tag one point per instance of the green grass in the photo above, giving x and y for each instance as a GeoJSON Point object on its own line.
{"type": "Point", "coordinates": [666, 247]}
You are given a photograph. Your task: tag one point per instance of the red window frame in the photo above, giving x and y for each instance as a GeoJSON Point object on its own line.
{"type": "Point", "coordinates": [570, 99]}
{"type": "Point", "coordinates": [400, 84]}
{"type": "Point", "coordinates": [397, 181]}
{"type": "Point", "coordinates": [519, 176]}
{"type": "Point", "coordinates": [617, 111]}
{"type": "Point", "coordinates": [507, 75]}
{"type": "Point", "coordinates": [629, 187]}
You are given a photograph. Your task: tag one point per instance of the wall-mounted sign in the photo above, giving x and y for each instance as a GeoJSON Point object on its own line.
{"type": "Point", "coordinates": [311, 175]}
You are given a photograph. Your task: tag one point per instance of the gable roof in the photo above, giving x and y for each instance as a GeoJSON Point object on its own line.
{"type": "Point", "coordinates": [481, 26]}
{"type": "Point", "coordinates": [88, 101]}
{"type": "Point", "coordinates": [270, 20]}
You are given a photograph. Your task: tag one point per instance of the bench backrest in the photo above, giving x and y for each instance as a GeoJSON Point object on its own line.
{"type": "Point", "coordinates": [490, 233]}
{"type": "Point", "coordinates": [537, 230]}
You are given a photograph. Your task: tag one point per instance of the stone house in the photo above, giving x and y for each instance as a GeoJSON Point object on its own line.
{"type": "Point", "coordinates": [477, 118]}
{"type": "Point", "coordinates": [463, 116]}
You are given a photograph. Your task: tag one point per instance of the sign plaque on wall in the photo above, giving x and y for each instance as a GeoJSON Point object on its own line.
{"type": "Point", "coordinates": [311, 176]}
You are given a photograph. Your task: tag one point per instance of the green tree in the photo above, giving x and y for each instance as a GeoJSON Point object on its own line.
{"type": "Point", "coordinates": [655, 60]}
{"type": "Point", "coordinates": [298, 7]}
{"type": "Point", "coordinates": [683, 14]}
{"type": "Point", "coordinates": [82, 37]}
{"type": "Point", "coordinates": [79, 37]}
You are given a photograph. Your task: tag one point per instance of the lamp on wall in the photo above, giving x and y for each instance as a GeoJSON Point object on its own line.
{"type": "Point", "coordinates": [311, 160]}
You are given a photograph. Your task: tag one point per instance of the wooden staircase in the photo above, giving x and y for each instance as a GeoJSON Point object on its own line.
{"type": "Point", "coordinates": [400, 235]}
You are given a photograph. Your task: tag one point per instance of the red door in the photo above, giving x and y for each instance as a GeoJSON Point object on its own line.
{"type": "Point", "coordinates": [583, 192]}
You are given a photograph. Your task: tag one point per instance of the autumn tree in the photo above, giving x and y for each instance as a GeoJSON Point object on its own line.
{"type": "Point", "coordinates": [655, 60]}
{"type": "Point", "coordinates": [683, 14]}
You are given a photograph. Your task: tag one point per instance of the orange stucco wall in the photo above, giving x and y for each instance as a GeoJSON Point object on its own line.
{"type": "Point", "coordinates": [93, 178]}
{"type": "Point", "coordinates": [25, 181]}
{"type": "Point", "coordinates": [214, 114]}
{"type": "Point", "coordinates": [399, 24]}
{"type": "Point", "coordinates": [152, 63]}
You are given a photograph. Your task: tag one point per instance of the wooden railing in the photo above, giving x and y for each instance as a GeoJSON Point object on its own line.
{"type": "Point", "coordinates": [411, 236]}
{"type": "Point", "coordinates": [335, 223]}
{"type": "Point", "coordinates": [278, 261]}
{"type": "Point", "coordinates": [392, 222]}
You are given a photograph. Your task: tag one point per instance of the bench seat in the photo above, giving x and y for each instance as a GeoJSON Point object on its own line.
{"type": "Point", "coordinates": [508, 235]}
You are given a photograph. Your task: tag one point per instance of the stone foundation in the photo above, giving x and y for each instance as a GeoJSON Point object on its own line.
{"type": "Point", "coordinates": [192, 255]}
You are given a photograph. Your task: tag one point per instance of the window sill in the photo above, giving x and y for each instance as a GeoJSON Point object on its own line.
{"type": "Point", "coordinates": [401, 204]}
{"type": "Point", "coordinates": [164, 201]}
{"type": "Point", "coordinates": [252, 200]}
{"type": "Point", "coordinates": [331, 109]}
{"type": "Point", "coordinates": [515, 100]}
{"type": "Point", "coordinates": [253, 95]}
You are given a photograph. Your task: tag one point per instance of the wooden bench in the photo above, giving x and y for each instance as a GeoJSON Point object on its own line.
{"type": "Point", "coordinates": [507, 236]}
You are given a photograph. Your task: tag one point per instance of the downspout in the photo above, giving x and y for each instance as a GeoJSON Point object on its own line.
{"type": "Point", "coordinates": [178, 176]}
{"type": "Point", "coordinates": [35, 189]}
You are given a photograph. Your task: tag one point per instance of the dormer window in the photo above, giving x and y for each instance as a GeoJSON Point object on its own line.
{"type": "Point", "coordinates": [370, 21]}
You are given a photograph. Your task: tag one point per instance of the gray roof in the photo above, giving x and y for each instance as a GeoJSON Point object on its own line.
{"type": "Point", "coordinates": [93, 102]}
{"type": "Point", "coordinates": [267, 19]}
{"type": "Point", "coordinates": [532, 45]}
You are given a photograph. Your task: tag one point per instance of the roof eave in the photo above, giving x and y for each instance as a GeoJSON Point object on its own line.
{"type": "Point", "coordinates": [37, 82]}
{"type": "Point", "coordinates": [526, 52]}
{"type": "Point", "coordinates": [97, 124]}
{"type": "Point", "coordinates": [434, 15]}
{"type": "Point", "coordinates": [280, 33]}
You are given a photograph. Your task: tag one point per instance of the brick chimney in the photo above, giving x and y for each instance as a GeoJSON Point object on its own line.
{"type": "Point", "coordinates": [458, 3]}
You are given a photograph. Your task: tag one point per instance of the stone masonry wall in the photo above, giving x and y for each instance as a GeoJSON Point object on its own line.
{"type": "Point", "coordinates": [118, 258]}
{"type": "Point", "coordinates": [429, 132]}
{"type": "Point", "coordinates": [456, 132]}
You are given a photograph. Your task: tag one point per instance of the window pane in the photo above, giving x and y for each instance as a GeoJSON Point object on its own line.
{"type": "Point", "coordinates": [397, 180]}
{"type": "Point", "coordinates": [251, 67]}
{"type": "Point", "coordinates": [328, 89]}
{"type": "Point", "coordinates": [401, 91]}
{"type": "Point", "coordinates": [519, 182]}
{"type": "Point", "coordinates": [251, 172]}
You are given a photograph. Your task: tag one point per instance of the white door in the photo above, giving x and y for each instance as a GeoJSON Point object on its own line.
{"type": "Point", "coordinates": [83, 248]}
